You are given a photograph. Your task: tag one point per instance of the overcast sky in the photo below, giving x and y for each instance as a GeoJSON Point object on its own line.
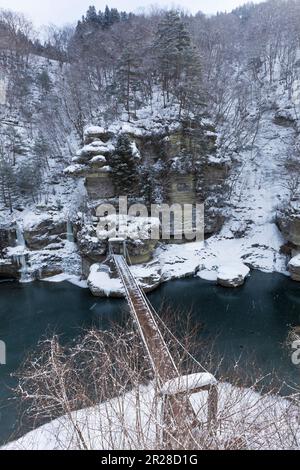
{"type": "Point", "coordinates": [68, 11]}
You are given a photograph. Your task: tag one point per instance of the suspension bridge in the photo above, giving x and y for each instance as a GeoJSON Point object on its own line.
{"type": "Point", "coordinates": [177, 404]}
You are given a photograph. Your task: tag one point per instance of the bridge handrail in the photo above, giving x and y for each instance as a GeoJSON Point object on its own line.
{"type": "Point", "coordinates": [119, 259]}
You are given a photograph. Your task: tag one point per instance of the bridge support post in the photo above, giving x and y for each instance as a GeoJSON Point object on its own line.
{"type": "Point", "coordinates": [179, 419]}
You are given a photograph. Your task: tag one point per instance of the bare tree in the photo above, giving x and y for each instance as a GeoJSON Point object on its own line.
{"type": "Point", "coordinates": [102, 394]}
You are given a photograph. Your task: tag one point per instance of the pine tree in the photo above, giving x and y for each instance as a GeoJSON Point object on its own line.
{"type": "Point", "coordinates": [188, 89]}
{"type": "Point", "coordinates": [125, 167]}
{"type": "Point", "coordinates": [44, 81]}
{"type": "Point", "coordinates": [127, 79]}
{"type": "Point", "coordinates": [107, 18]}
{"type": "Point", "coordinates": [41, 151]}
{"type": "Point", "coordinates": [123, 16]}
{"type": "Point", "coordinates": [178, 62]}
{"type": "Point", "coordinates": [147, 184]}
{"type": "Point", "coordinates": [114, 16]}
{"type": "Point", "coordinates": [91, 15]}
{"type": "Point", "coordinates": [101, 18]}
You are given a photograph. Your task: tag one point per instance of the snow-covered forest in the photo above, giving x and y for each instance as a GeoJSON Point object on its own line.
{"type": "Point", "coordinates": [161, 107]}
{"type": "Point", "coordinates": [192, 95]}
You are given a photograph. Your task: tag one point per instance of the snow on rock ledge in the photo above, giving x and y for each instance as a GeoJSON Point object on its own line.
{"type": "Point", "coordinates": [294, 268]}
{"type": "Point", "coordinates": [102, 284]}
{"type": "Point", "coordinates": [233, 275]}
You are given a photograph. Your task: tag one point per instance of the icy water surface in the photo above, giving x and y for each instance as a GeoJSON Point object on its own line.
{"type": "Point", "coordinates": [246, 325]}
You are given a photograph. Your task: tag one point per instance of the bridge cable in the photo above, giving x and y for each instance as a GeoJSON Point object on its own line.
{"type": "Point", "coordinates": [164, 325]}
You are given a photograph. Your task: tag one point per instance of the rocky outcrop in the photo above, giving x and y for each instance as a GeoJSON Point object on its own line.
{"type": "Point", "coordinates": [178, 158]}
{"type": "Point", "coordinates": [7, 237]}
{"type": "Point", "coordinates": [89, 244]}
{"type": "Point", "coordinates": [9, 269]}
{"type": "Point", "coordinates": [93, 133]}
{"type": "Point", "coordinates": [232, 275]}
{"type": "Point", "coordinates": [288, 222]}
{"type": "Point", "coordinates": [182, 155]}
{"type": "Point", "coordinates": [103, 280]}
{"type": "Point", "coordinates": [91, 162]}
{"type": "Point", "coordinates": [285, 117]}
{"type": "Point", "coordinates": [294, 268]}
{"type": "Point", "coordinates": [148, 276]}
{"type": "Point", "coordinates": [46, 229]}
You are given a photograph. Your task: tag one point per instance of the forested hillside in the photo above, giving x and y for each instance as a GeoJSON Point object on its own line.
{"type": "Point", "coordinates": [161, 109]}
{"type": "Point", "coordinates": [203, 90]}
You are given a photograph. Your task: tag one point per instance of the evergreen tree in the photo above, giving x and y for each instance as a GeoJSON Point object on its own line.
{"type": "Point", "coordinates": [41, 151]}
{"type": "Point", "coordinates": [44, 81]}
{"type": "Point", "coordinates": [101, 18]}
{"type": "Point", "coordinates": [91, 15]}
{"type": "Point", "coordinates": [125, 167]}
{"type": "Point", "coordinates": [107, 18]}
{"type": "Point", "coordinates": [127, 79]}
{"type": "Point", "coordinates": [188, 89]}
{"type": "Point", "coordinates": [123, 16]}
{"type": "Point", "coordinates": [114, 16]}
{"type": "Point", "coordinates": [171, 43]}
{"type": "Point", "coordinates": [178, 62]}
{"type": "Point", "coordinates": [147, 184]}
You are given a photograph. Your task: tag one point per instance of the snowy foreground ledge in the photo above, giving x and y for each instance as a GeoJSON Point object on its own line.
{"type": "Point", "coordinates": [245, 418]}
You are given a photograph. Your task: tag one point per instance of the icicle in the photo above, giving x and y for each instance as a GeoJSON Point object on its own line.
{"type": "Point", "coordinates": [20, 237]}
{"type": "Point", "coordinates": [70, 235]}
{"type": "Point", "coordinates": [20, 258]}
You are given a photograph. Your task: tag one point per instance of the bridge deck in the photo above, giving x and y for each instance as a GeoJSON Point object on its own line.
{"type": "Point", "coordinates": [161, 359]}
{"type": "Point", "coordinates": [178, 416]}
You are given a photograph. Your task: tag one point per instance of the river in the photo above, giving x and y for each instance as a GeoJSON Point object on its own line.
{"type": "Point", "coordinates": [247, 327]}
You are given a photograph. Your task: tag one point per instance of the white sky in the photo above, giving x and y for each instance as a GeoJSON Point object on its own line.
{"type": "Point", "coordinates": [68, 11]}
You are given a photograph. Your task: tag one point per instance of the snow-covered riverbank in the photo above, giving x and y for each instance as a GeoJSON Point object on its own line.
{"type": "Point", "coordinates": [246, 420]}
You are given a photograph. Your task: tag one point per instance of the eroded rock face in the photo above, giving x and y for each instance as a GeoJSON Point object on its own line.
{"type": "Point", "coordinates": [181, 156]}
{"type": "Point", "coordinates": [93, 133]}
{"type": "Point", "coordinates": [89, 244]}
{"type": "Point", "coordinates": [285, 117]}
{"type": "Point", "coordinates": [48, 230]}
{"type": "Point", "coordinates": [9, 269]}
{"type": "Point", "coordinates": [148, 276]}
{"type": "Point", "coordinates": [97, 183]}
{"type": "Point", "coordinates": [7, 237]}
{"type": "Point", "coordinates": [289, 224]}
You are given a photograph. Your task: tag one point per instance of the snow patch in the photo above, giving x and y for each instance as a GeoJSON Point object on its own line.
{"type": "Point", "coordinates": [75, 280]}
{"type": "Point", "coordinates": [188, 382]}
{"type": "Point", "coordinates": [101, 284]}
